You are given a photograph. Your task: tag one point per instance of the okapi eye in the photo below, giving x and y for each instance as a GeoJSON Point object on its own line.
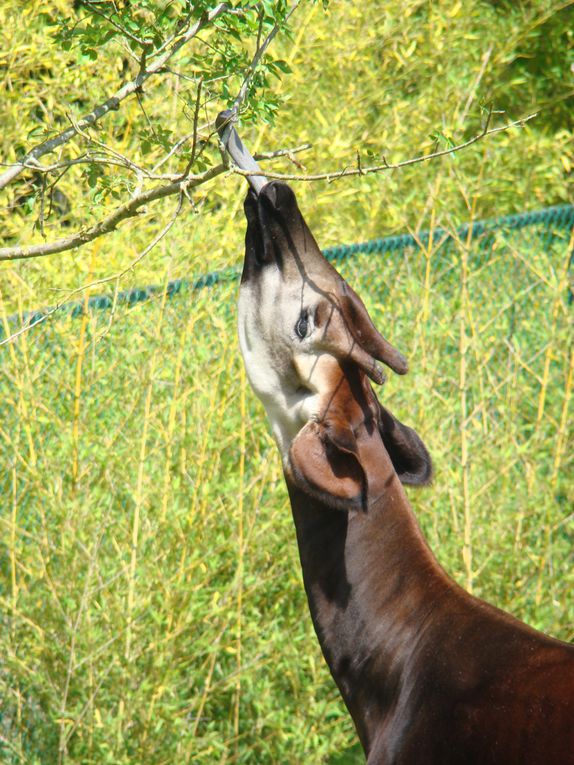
{"type": "Point", "coordinates": [302, 326]}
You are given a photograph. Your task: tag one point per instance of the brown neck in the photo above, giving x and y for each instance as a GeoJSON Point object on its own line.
{"type": "Point", "coordinates": [370, 579]}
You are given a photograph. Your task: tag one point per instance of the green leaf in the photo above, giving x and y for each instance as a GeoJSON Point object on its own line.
{"type": "Point", "coordinates": [283, 66]}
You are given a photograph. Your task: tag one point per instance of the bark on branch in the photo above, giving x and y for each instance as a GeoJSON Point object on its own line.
{"type": "Point", "coordinates": [131, 208]}
{"type": "Point", "coordinates": [112, 103]}
{"type": "Point", "coordinates": [128, 210]}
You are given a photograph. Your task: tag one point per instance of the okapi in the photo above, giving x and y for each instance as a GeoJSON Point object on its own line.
{"type": "Point", "coordinates": [430, 674]}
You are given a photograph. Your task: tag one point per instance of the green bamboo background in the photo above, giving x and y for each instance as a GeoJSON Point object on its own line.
{"type": "Point", "coordinates": [151, 594]}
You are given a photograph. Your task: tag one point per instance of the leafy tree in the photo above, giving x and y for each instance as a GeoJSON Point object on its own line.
{"type": "Point", "coordinates": [215, 55]}
{"type": "Point", "coordinates": [166, 69]}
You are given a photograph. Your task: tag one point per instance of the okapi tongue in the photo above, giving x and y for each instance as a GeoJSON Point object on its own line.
{"type": "Point", "coordinates": [237, 151]}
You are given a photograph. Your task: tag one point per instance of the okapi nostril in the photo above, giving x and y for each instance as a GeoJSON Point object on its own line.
{"type": "Point", "coordinates": [271, 194]}
{"type": "Point", "coordinates": [278, 195]}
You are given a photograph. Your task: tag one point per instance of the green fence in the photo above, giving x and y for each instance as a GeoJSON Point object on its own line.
{"type": "Point", "coordinates": [150, 593]}
{"type": "Point", "coordinates": [551, 223]}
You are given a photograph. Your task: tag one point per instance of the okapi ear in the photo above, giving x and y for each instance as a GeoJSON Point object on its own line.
{"type": "Point", "coordinates": [366, 334]}
{"type": "Point", "coordinates": [324, 463]}
{"type": "Point", "coordinates": [408, 454]}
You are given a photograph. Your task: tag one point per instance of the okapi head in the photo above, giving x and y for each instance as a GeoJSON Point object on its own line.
{"type": "Point", "coordinates": [309, 347]}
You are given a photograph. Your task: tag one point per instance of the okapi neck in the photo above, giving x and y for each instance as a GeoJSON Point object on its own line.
{"type": "Point", "coordinates": [372, 583]}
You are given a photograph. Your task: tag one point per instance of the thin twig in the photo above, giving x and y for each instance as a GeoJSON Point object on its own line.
{"type": "Point", "coordinates": [476, 83]}
{"type": "Point", "coordinates": [182, 32]}
{"type": "Point", "coordinates": [114, 277]}
{"type": "Point", "coordinates": [262, 155]}
{"type": "Point", "coordinates": [145, 114]}
{"type": "Point", "coordinates": [125, 211]}
{"type": "Point", "coordinates": [189, 78]}
{"type": "Point", "coordinates": [131, 208]}
{"type": "Point", "coordinates": [175, 148]}
{"type": "Point", "coordinates": [125, 32]}
{"type": "Point", "coordinates": [125, 160]}
{"type": "Point", "coordinates": [348, 171]}
{"type": "Point", "coordinates": [43, 207]}
{"type": "Point", "coordinates": [260, 52]}
{"type": "Point", "coordinates": [195, 121]}
{"type": "Point", "coordinates": [119, 160]}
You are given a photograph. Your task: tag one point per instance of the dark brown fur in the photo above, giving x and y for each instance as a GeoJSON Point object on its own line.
{"type": "Point", "coordinates": [429, 673]}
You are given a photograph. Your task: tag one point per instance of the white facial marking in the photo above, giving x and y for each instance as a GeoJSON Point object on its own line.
{"type": "Point", "coordinates": [284, 371]}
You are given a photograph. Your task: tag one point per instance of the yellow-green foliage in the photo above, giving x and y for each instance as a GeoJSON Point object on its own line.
{"type": "Point", "coordinates": [150, 592]}
{"type": "Point", "coordinates": [152, 601]}
{"type": "Point", "coordinates": [374, 78]}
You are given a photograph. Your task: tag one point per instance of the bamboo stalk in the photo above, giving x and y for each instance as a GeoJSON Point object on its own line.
{"type": "Point", "coordinates": [558, 298]}
{"type": "Point", "coordinates": [14, 599]}
{"type": "Point", "coordinates": [240, 548]}
{"type": "Point", "coordinates": [77, 396]}
{"type": "Point", "coordinates": [424, 314]}
{"type": "Point", "coordinates": [139, 493]}
{"type": "Point", "coordinates": [563, 427]}
{"type": "Point", "coordinates": [19, 381]}
{"type": "Point", "coordinates": [175, 405]}
{"type": "Point", "coordinates": [556, 303]}
{"type": "Point", "coordinates": [463, 404]}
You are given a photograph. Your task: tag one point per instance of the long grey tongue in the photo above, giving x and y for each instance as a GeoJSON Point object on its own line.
{"type": "Point", "coordinates": [237, 151]}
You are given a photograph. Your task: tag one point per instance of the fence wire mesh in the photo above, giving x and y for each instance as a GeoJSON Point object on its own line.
{"type": "Point", "coordinates": [150, 595]}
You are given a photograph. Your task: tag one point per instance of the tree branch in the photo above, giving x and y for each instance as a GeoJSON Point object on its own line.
{"type": "Point", "coordinates": [289, 153]}
{"type": "Point", "coordinates": [177, 183]}
{"type": "Point", "coordinates": [128, 210]}
{"type": "Point", "coordinates": [114, 277]}
{"type": "Point", "coordinates": [112, 103]}
{"type": "Point", "coordinates": [334, 175]}
{"type": "Point", "coordinates": [259, 53]}
{"type": "Point", "coordinates": [125, 32]}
